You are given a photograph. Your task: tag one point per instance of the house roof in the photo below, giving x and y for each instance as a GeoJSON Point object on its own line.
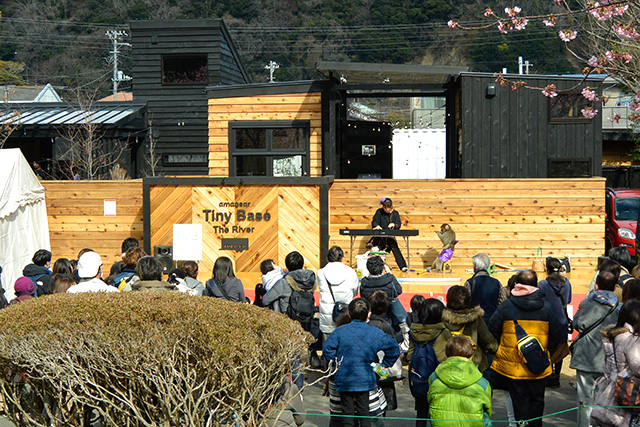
{"type": "Point", "coordinates": [122, 96]}
{"type": "Point", "coordinates": [360, 72]}
{"type": "Point", "coordinates": [60, 114]}
{"type": "Point", "coordinates": [38, 93]}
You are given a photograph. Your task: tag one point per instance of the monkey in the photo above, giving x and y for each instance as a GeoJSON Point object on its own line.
{"type": "Point", "coordinates": [448, 238]}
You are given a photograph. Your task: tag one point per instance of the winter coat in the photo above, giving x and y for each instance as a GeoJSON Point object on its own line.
{"type": "Point", "coordinates": [294, 412]}
{"type": "Point", "coordinates": [355, 347]}
{"type": "Point", "coordinates": [383, 219]}
{"type": "Point", "coordinates": [232, 286]}
{"type": "Point", "coordinates": [194, 284]}
{"type": "Point", "coordinates": [412, 318]}
{"type": "Point", "coordinates": [271, 278]}
{"type": "Point", "coordinates": [277, 298]}
{"type": "Point", "coordinates": [344, 284]}
{"type": "Point", "coordinates": [386, 282]}
{"type": "Point", "coordinates": [382, 322]}
{"type": "Point", "coordinates": [472, 325]}
{"type": "Point", "coordinates": [457, 391]}
{"type": "Point", "coordinates": [627, 348]}
{"type": "Point", "coordinates": [41, 275]}
{"type": "Point", "coordinates": [487, 292]}
{"type": "Point", "coordinates": [550, 289]}
{"type": "Point", "coordinates": [425, 333]}
{"type": "Point", "coordinates": [537, 318]}
{"type": "Point", "coordinates": [153, 285]}
{"type": "Point", "coordinates": [588, 352]}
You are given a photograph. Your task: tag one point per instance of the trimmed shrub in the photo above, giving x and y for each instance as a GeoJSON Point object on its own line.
{"type": "Point", "coordinates": [143, 359]}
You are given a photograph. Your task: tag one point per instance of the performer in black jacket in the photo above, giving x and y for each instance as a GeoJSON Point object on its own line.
{"type": "Point", "coordinates": [386, 217]}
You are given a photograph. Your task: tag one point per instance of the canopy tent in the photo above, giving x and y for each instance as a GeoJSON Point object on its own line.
{"type": "Point", "coordinates": [23, 216]}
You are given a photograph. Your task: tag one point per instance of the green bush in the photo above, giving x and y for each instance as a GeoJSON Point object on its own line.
{"type": "Point", "coordinates": [143, 359]}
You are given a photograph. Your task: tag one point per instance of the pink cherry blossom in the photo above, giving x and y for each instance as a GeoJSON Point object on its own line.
{"type": "Point", "coordinates": [550, 21]}
{"type": "Point", "coordinates": [558, 2]}
{"type": "Point", "coordinates": [628, 31]}
{"type": "Point", "coordinates": [634, 106]}
{"type": "Point", "coordinates": [615, 118]}
{"type": "Point", "coordinates": [452, 24]}
{"type": "Point", "coordinates": [519, 23]}
{"type": "Point", "coordinates": [488, 12]}
{"type": "Point", "coordinates": [589, 112]}
{"type": "Point", "coordinates": [503, 27]}
{"type": "Point", "coordinates": [550, 91]}
{"type": "Point", "coordinates": [567, 35]}
{"type": "Point", "coordinates": [511, 12]}
{"type": "Point", "coordinates": [589, 94]}
{"type": "Point", "coordinates": [593, 61]}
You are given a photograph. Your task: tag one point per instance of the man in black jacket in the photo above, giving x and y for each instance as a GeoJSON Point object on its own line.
{"type": "Point", "coordinates": [486, 291]}
{"type": "Point", "coordinates": [39, 271]}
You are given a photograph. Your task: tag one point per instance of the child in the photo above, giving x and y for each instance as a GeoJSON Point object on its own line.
{"type": "Point", "coordinates": [457, 390]}
{"type": "Point", "coordinates": [355, 347]}
{"type": "Point", "coordinates": [271, 273]}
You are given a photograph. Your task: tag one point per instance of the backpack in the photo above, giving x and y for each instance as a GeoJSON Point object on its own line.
{"type": "Point", "coordinates": [459, 333]}
{"type": "Point", "coordinates": [39, 288]}
{"type": "Point", "coordinates": [302, 305]}
{"type": "Point", "coordinates": [423, 363]}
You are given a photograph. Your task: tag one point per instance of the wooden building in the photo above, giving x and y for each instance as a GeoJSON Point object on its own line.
{"type": "Point", "coordinates": [173, 62]}
{"type": "Point", "coordinates": [492, 131]}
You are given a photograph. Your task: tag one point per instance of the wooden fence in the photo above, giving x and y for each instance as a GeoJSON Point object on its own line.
{"type": "Point", "coordinates": [75, 210]}
{"type": "Point", "coordinates": [509, 219]}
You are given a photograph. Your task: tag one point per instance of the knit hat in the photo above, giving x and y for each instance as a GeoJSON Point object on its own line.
{"type": "Point", "coordinates": [89, 264]}
{"type": "Point", "coordinates": [24, 286]}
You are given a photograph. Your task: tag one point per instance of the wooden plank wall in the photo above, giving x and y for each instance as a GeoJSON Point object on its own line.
{"type": "Point", "coordinates": [75, 210]}
{"type": "Point", "coordinates": [296, 106]}
{"type": "Point", "coordinates": [294, 222]}
{"type": "Point", "coordinates": [507, 219]}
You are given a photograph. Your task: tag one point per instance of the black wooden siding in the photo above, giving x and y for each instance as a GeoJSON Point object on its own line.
{"type": "Point", "coordinates": [509, 135]}
{"type": "Point", "coordinates": [179, 112]}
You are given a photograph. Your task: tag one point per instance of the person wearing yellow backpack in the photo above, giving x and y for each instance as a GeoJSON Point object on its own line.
{"type": "Point", "coordinates": [462, 319]}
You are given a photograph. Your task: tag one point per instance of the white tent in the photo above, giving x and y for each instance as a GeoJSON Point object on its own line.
{"type": "Point", "coordinates": [23, 216]}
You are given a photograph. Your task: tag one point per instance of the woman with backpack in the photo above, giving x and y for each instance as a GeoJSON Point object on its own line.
{"type": "Point", "coordinates": [557, 290]}
{"type": "Point", "coordinates": [621, 358]}
{"type": "Point", "coordinates": [462, 319]}
{"type": "Point", "coordinates": [428, 331]}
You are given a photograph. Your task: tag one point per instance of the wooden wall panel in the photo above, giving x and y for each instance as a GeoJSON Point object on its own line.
{"type": "Point", "coordinates": [294, 222]}
{"type": "Point", "coordinates": [75, 211]}
{"type": "Point", "coordinates": [507, 219]}
{"type": "Point", "coordinates": [294, 106]}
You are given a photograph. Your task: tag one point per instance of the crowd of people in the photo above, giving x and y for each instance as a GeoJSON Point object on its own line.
{"type": "Point", "coordinates": [456, 353]}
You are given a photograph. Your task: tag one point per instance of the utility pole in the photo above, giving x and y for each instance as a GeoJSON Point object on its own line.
{"type": "Point", "coordinates": [272, 66]}
{"type": "Point", "coordinates": [118, 76]}
{"type": "Point", "coordinates": [525, 64]}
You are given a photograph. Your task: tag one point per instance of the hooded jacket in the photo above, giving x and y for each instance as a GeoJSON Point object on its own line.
{"type": "Point", "coordinates": [344, 284]}
{"type": "Point", "coordinates": [457, 391]}
{"type": "Point", "coordinates": [41, 275]}
{"type": "Point", "coordinates": [473, 326]}
{"type": "Point", "coordinates": [537, 318]}
{"type": "Point", "coordinates": [355, 346]}
{"type": "Point", "coordinates": [232, 286]}
{"type": "Point", "coordinates": [552, 290]}
{"type": "Point", "coordinates": [277, 298]}
{"type": "Point", "coordinates": [425, 333]}
{"type": "Point", "coordinates": [588, 352]}
{"type": "Point", "coordinates": [627, 349]}
{"type": "Point", "coordinates": [194, 284]}
{"type": "Point", "coordinates": [386, 282]}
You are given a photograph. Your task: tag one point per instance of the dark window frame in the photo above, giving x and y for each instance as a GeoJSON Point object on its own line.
{"type": "Point", "coordinates": [559, 160]}
{"type": "Point", "coordinates": [170, 55]}
{"type": "Point", "coordinates": [568, 120]}
{"type": "Point", "coordinates": [269, 152]}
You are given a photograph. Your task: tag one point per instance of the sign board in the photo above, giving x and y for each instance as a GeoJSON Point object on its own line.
{"type": "Point", "coordinates": [187, 242]}
{"type": "Point", "coordinates": [109, 207]}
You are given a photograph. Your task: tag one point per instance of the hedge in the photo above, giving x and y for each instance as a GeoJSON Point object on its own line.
{"type": "Point", "coordinates": [143, 359]}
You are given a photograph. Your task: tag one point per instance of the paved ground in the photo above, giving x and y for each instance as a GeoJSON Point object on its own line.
{"type": "Point", "coordinates": [555, 400]}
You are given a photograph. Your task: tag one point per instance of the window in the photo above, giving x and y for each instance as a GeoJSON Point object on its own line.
{"type": "Point", "coordinates": [567, 108]}
{"type": "Point", "coordinates": [184, 69]}
{"type": "Point", "coordinates": [184, 159]}
{"type": "Point", "coordinates": [569, 167]}
{"type": "Point", "coordinates": [278, 148]}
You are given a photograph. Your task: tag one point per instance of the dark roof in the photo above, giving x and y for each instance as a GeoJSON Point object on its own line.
{"type": "Point", "coordinates": [360, 72]}
{"type": "Point", "coordinates": [59, 114]}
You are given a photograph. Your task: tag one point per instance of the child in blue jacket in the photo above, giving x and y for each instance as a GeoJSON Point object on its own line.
{"type": "Point", "coordinates": [354, 347]}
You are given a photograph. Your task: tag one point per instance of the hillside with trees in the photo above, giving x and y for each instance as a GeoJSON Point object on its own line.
{"type": "Point", "coordinates": [63, 42]}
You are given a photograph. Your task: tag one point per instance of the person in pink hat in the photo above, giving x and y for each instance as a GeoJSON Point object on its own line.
{"type": "Point", "coordinates": [24, 289]}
